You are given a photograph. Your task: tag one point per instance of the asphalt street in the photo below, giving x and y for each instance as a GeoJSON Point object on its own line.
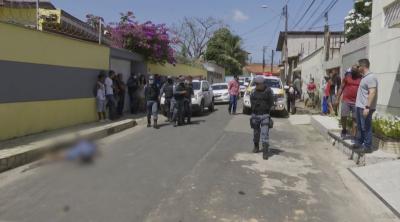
{"type": "Point", "coordinates": [201, 172]}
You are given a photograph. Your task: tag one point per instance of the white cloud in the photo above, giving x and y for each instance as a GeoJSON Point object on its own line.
{"type": "Point", "coordinates": [239, 16]}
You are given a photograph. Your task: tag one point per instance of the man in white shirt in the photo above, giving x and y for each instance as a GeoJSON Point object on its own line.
{"type": "Point", "coordinates": [111, 103]}
{"type": "Point", "coordinates": [101, 97]}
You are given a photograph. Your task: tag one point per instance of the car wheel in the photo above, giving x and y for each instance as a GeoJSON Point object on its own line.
{"type": "Point", "coordinates": [211, 107]}
{"type": "Point", "coordinates": [202, 107]}
{"type": "Point", "coordinates": [246, 110]}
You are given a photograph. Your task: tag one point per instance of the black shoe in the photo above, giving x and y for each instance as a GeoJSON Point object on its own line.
{"type": "Point", "coordinates": [256, 148]}
{"type": "Point", "coordinates": [155, 126]}
{"type": "Point", "coordinates": [148, 122]}
{"type": "Point", "coordinates": [265, 151]}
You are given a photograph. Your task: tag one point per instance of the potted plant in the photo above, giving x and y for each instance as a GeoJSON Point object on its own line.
{"type": "Point", "coordinates": [386, 134]}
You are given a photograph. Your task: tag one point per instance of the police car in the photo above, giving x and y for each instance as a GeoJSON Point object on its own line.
{"type": "Point", "coordinates": [276, 85]}
{"type": "Point", "coordinates": [203, 97]}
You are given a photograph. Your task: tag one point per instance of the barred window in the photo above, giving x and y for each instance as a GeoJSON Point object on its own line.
{"type": "Point", "coordinates": [392, 15]}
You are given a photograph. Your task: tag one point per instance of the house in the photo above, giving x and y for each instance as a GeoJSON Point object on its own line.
{"type": "Point", "coordinates": [257, 68]}
{"type": "Point", "coordinates": [384, 53]}
{"type": "Point", "coordinates": [302, 44]}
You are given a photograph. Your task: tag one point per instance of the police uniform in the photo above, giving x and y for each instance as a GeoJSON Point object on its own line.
{"type": "Point", "coordinates": [188, 101]}
{"type": "Point", "coordinates": [261, 104]}
{"type": "Point", "coordinates": [152, 93]}
{"type": "Point", "coordinates": [168, 90]}
{"type": "Point", "coordinates": [179, 97]}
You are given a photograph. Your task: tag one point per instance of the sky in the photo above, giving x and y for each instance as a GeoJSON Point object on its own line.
{"type": "Point", "coordinates": [258, 26]}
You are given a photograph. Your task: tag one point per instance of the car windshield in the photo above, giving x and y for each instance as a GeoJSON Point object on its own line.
{"type": "Point", "coordinates": [219, 87]}
{"type": "Point", "coordinates": [196, 85]}
{"type": "Point", "coordinates": [272, 83]}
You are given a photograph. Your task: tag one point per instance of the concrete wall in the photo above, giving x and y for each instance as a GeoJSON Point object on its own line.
{"type": "Point", "coordinates": [47, 80]}
{"type": "Point", "coordinates": [354, 51]}
{"type": "Point", "coordinates": [176, 70]}
{"type": "Point", "coordinates": [384, 55]}
{"type": "Point", "coordinates": [312, 67]}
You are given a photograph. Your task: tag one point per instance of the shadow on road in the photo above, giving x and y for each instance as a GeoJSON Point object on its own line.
{"type": "Point", "coordinates": [197, 122]}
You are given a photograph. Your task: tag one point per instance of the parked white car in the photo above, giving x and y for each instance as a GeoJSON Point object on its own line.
{"type": "Point", "coordinates": [203, 97]}
{"type": "Point", "coordinates": [276, 85]}
{"type": "Point", "coordinates": [221, 94]}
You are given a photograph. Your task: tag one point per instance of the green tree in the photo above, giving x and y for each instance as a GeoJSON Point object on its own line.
{"type": "Point", "coordinates": [225, 49]}
{"type": "Point", "coordinates": [358, 21]}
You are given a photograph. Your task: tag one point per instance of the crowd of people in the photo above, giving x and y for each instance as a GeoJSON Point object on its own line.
{"type": "Point", "coordinates": [144, 96]}
{"type": "Point", "coordinates": [356, 95]}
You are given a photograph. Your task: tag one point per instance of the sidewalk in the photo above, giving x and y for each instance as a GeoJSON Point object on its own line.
{"type": "Point", "coordinates": [378, 171]}
{"type": "Point", "coordinates": [20, 151]}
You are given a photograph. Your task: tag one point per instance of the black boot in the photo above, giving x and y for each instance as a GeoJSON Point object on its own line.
{"type": "Point", "coordinates": [148, 122]}
{"type": "Point", "coordinates": [265, 151]}
{"type": "Point", "coordinates": [155, 126]}
{"type": "Point", "coordinates": [256, 148]}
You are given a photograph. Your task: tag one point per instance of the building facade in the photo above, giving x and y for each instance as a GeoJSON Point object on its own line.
{"type": "Point", "coordinates": [384, 53]}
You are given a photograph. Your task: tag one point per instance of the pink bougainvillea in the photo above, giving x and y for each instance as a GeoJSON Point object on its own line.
{"type": "Point", "coordinates": [151, 40]}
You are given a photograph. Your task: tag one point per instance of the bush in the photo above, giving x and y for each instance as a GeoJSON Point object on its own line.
{"type": "Point", "coordinates": [386, 127]}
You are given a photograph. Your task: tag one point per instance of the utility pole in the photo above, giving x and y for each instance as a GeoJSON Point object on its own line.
{"type": "Point", "coordinates": [264, 48]}
{"type": "Point", "coordinates": [272, 61]}
{"type": "Point", "coordinates": [37, 15]}
{"type": "Point", "coordinates": [327, 37]}
{"type": "Point", "coordinates": [100, 34]}
{"type": "Point", "coordinates": [287, 74]}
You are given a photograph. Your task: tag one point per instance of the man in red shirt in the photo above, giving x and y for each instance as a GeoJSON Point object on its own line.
{"type": "Point", "coordinates": [311, 87]}
{"type": "Point", "coordinates": [234, 90]}
{"type": "Point", "coordinates": [348, 94]}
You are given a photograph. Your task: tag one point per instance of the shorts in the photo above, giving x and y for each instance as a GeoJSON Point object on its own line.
{"type": "Point", "coordinates": [100, 105]}
{"type": "Point", "coordinates": [348, 108]}
{"type": "Point", "coordinates": [332, 99]}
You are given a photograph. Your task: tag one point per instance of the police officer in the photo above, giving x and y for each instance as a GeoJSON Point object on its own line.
{"type": "Point", "coordinates": [152, 93]}
{"type": "Point", "coordinates": [261, 103]}
{"type": "Point", "coordinates": [168, 90]}
{"type": "Point", "coordinates": [188, 98]}
{"type": "Point", "coordinates": [179, 97]}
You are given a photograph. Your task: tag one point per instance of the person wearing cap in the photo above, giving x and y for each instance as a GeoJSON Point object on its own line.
{"type": "Point", "coordinates": [261, 101]}
{"type": "Point", "coordinates": [152, 94]}
{"type": "Point", "coordinates": [168, 90]}
{"type": "Point", "coordinates": [188, 99]}
{"type": "Point", "coordinates": [179, 96]}
{"type": "Point", "coordinates": [347, 94]}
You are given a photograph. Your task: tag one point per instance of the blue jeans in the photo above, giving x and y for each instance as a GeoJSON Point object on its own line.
{"type": "Point", "coordinates": [152, 109]}
{"type": "Point", "coordinates": [232, 103]}
{"type": "Point", "coordinates": [260, 128]}
{"type": "Point", "coordinates": [364, 128]}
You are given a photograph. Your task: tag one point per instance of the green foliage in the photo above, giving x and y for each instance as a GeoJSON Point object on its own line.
{"type": "Point", "coordinates": [225, 49]}
{"type": "Point", "coordinates": [358, 21]}
{"type": "Point", "coordinates": [386, 127]}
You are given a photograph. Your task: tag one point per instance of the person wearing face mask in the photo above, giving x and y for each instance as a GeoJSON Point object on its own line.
{"type": "Point", "coordinates": [133, 85]}
{"type": "Point", "coordinates": [152, 94]}
{"type": "Point", "coordinates": [347, 95]}
{"type": "Point", "coordinates": [262, 101]}
{"type": "Point", "coordinates": [179, 98]}
{"type": "Point", "coordinates": [168, 90]}
{"type": "Point", "coordinates": [188, 99]}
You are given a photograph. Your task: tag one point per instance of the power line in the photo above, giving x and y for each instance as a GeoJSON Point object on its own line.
{"type": "Point", "coordinates": [304, 14]}
{"type": "Point", "coordinates": [327, 9]}
{"type": "Point", "coordinates": [259, 26]}
{"type": "Point", "coordinates": [313, 13]}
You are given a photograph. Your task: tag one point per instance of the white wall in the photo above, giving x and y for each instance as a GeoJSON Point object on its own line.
{"type": "Point", "coordinates": [384, 52]}
{"type": "Point", "coordinates": [124, 67]}
{"type": "Point", "coordinates": [312, 67]}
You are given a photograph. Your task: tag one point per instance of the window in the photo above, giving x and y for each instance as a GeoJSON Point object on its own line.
{"type": "Point", "coordinates": [205, 86]}
{"type": "Point", "coordinates": [219, 87]}
{"type": "Point", "coordinates": [196, 85]}
{"type": "Point", "coordinates": [392, 15]}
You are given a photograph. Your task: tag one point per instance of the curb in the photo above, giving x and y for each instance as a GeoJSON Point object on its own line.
{"type": "Point", "coordinates": [18, 156]}
{"type": "Point", "coordinates": [395, 212]}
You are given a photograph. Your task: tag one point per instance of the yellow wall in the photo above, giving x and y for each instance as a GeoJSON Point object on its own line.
{"type": "Point", "coordinates": [19, 119]}
{"type": "Point", "coordinates": [178, 69]}
{"type": "Point", "coordinates": [24, 16]}
{"type": "Point", "coordinates": [27, 45]}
